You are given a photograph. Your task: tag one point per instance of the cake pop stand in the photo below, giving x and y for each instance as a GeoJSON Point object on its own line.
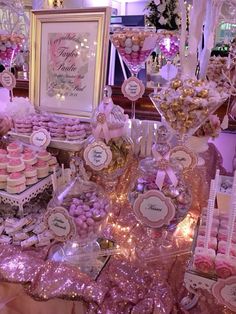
{"type": "Point", "coordinates": [223, 290]}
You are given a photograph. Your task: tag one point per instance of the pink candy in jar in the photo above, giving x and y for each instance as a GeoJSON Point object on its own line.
{"type": "Point", "coordinates": [87, 203]}
{"type": "Point", "coordinates": [89, 212]}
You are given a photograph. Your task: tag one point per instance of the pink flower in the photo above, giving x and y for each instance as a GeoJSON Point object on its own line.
{"type": "Point", "coordinates": [214, 121]}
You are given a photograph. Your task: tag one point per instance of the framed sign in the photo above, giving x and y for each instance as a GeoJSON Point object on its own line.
{"type": "Point", "coordinates": [68, 59]}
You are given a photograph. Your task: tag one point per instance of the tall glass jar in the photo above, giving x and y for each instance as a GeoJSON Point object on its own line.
{"type": "Point", "coordinates": [110, 126]}
{"type": "Point", "coordinates": [163, 176]}
{"type": "Point", "coordinates": [88, 205]}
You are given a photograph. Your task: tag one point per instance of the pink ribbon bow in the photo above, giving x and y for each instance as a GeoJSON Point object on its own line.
{"type": "Point", "coordinates": [164, 169]}
{"type": "Point", "coordinates": [102, 129]}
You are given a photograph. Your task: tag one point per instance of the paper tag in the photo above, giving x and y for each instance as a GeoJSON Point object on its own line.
{"type": "Point", "coordinates": [168, 72]}
{"type": "Point", "coordinates": [154, 209]}
{"type": "Point", "coordinates": [40, 138]}
{"type": "Point", "coordinates": [60, 223]}
{"type": "Point", "coordinates": [97, 155]}
{"type": "Point", "coordinates": [133, 88]}
{"type": "Point", "coordinates": [7, 80]}
{"type": "Point", "coordinates": [185, 156]}
{"type": "Point", "coordinates": [224, 290]}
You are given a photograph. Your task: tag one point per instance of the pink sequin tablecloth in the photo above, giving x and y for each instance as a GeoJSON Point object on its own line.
{"type": "Point", "coordinates": [127, 284]}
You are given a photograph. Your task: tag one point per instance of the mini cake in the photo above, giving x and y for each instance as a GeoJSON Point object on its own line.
{"type": "Point", "coordinates": [31, 180]}
{"type": "Point", "coordinates": [57, 129]}
{"type": "Point", "coordinates": [3, 175]}
{"type": "Point", "coordinates": [3, 153]}
{"type": "Point", "coordinates": [29, 158]}
{"type": "Point", "coordinates": [23, 125]}
{"type": "Point", "coordinates": [14, 147]}
{"type": "Point", "coordinates": [28, 150]}
{"type": "Point", "coordinates": [42, 169]}
{"type": "Point", "coordinates": [14, 155]}
{"type": "Point", "coordinates": [15, 165]}
{"type": "Point", "coordinates": [15, 179]}
{"type": "Point", "coordinates": [31, 175]}
{"type": "Point", "coordinates": [30, 171]}
{"type": "Point", "coordinates": [3, 185]}
{"type": "Point", "coordinates": [16, 183]}
{"type": "Point", "coordinates": [44, 155]}
{"type": "Point", "coordinates": [16, 189]}
{"type": "Point", "coordinates": [3, 179]}
{"type": "Point", "coordinates": [3, 163]}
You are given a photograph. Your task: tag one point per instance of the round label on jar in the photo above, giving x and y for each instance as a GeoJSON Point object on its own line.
{"type": "Point", "coordinates": [154, 209]}
{"type": "Point", "coordinates": [133, 88]}
{"type": "Point", "coordinates": [184, 156]}
{"type": "Point", "coordinates": [7, 80]}
{"type": "Point", "coordinates": [60, 223]}
{"type": "Point", "coordinates": [97, 155]}
{"type": "Point", "coordinates": [40, 138]}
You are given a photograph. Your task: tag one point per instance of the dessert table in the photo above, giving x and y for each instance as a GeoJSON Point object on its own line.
{"type": "Point", "coordinates": [151, 283]}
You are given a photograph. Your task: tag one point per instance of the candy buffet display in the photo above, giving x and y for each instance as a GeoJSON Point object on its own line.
{"type": "Point", "coordinates": [130, 220]}
{"type": "Point", "coordinates": [217, 231]}
{"type": "Point", "coordinates": [214, 256]}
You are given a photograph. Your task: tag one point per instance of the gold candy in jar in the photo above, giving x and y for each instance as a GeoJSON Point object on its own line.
{"type": "Point", "coordinates": [181, 115]}
{"type": "Point", "coordinates": [198, 83]}
{"type": "Point", "coordinates": [203, 93]}
{"type": "Point", "coordinates": [170, 116]}
{"type": "Point", "coordinates": [190, 81]}
{"type": "Point", "coordinates": [175, 105]}
{"type": "Point", "coordinates": [121, 149]}
{"type": "Point", "coordinates": [188, 91]}
{"type": "Point", "coordinates": [188, 123]}
{"type": "Point", "coordinates": [176, 84]}
{"type": "Point", "coordinates": [164, 106]}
